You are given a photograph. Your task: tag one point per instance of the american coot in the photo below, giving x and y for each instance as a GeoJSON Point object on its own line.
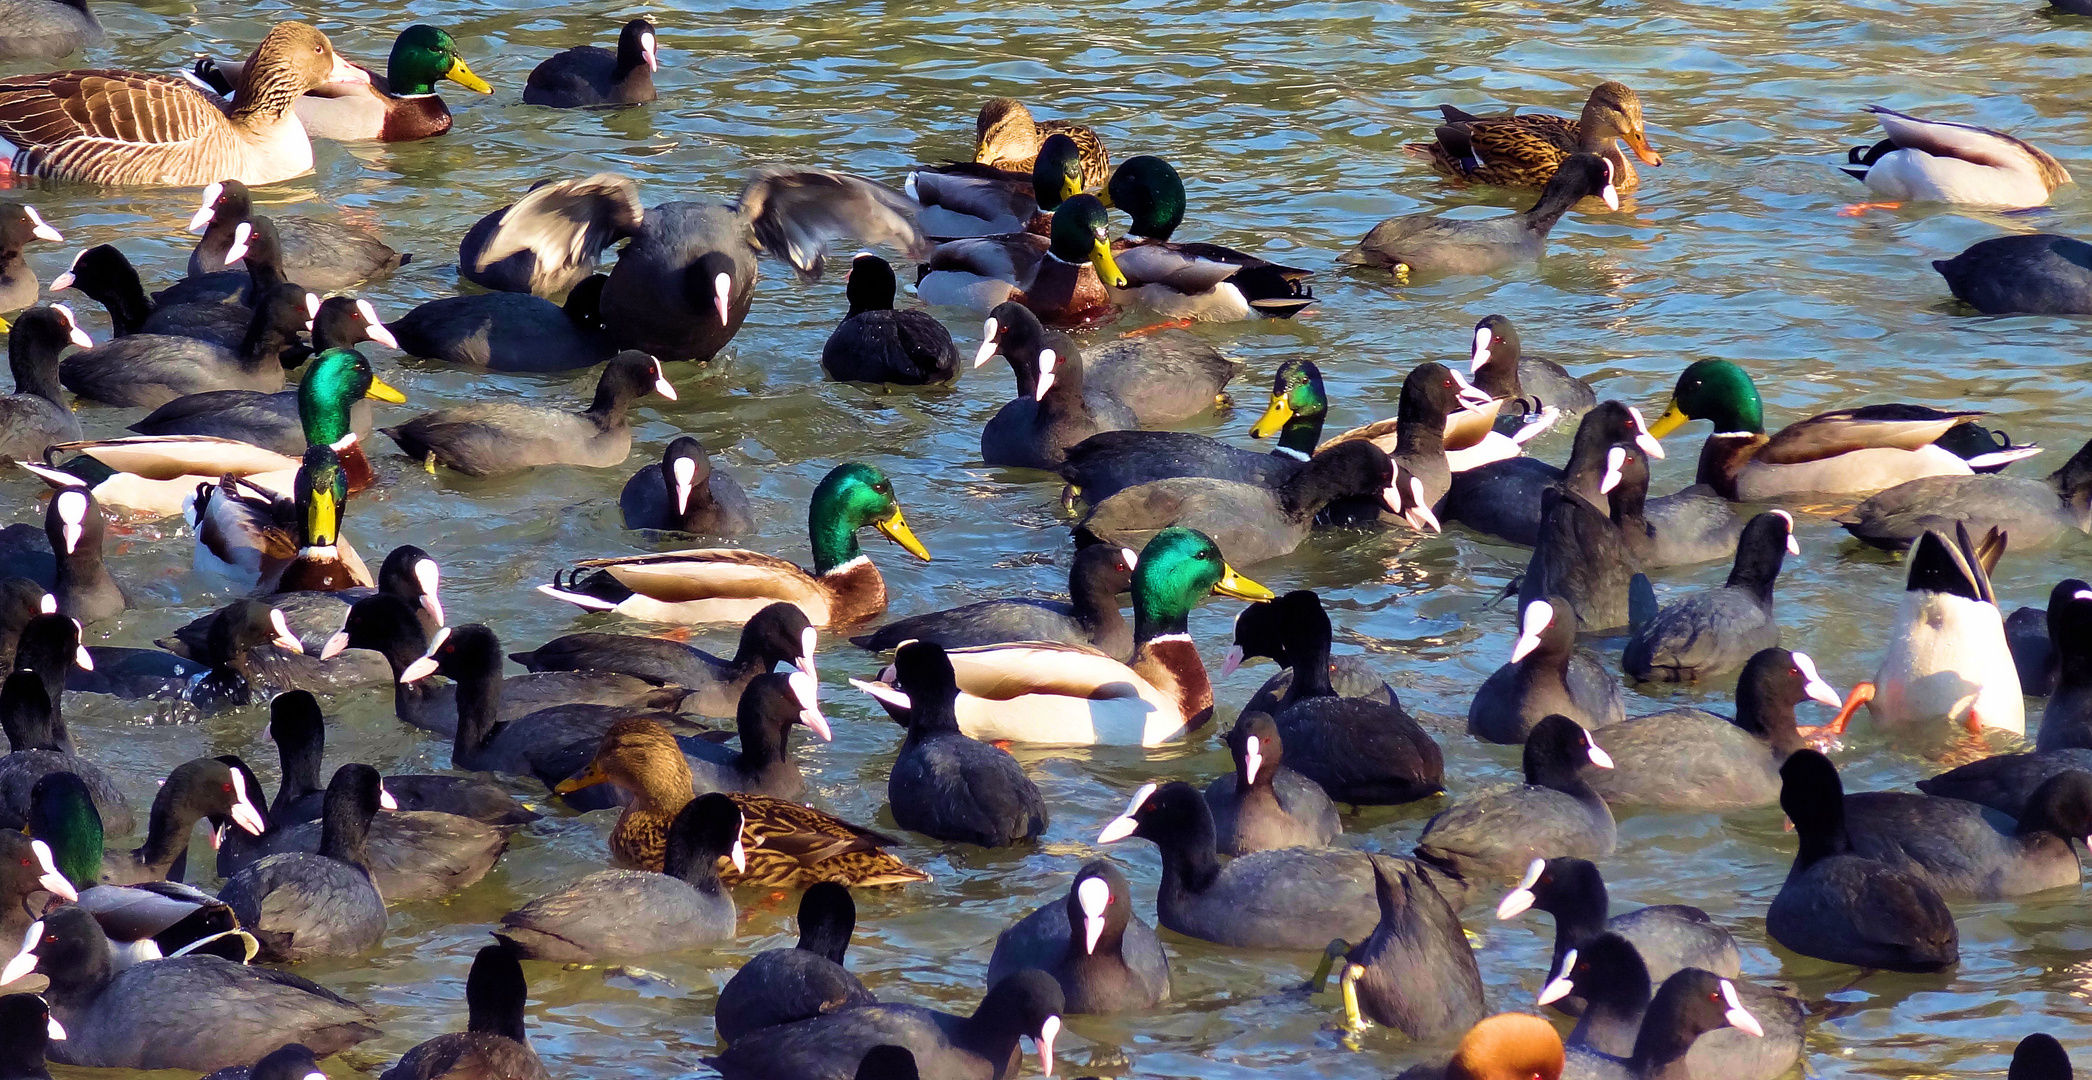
{"type": "Point", "coordinates": [1105, 959]}
{"type": "Point", "coordinates": [1842, 907]}
{"type": "Point", "coordinates": [49, 28]}
{"type": "Point", "coordinates": [291, 1061]}
{"type": "Point", "coordinates": [1692, 759]}
{"type": "Point", "coordinates": [1850, 451]}
{"type": "Point", "coordinates": [545, 271]}
{"type": "Point", "coordinates": [28, 1028]}
{"type": "Point", "coordinates": [2040, 1057]}
{"type": "Point", "coordinates": [1496, 837]}
{"type": "Point", "coordinates": [685, 494]}
{"type": "Point", "coordinates": [1942, 161]}
{"type": "Point", "coordinates": [1262, 804]}
{"type": "Point", "coordinates": [39, 745]}
{"type": "Point", "coordinates": [1507, 1046]}
{"type": "Point", "coordinates": [1548, 675]}
{"type": "Point", "coordinates": [1502, 498]}
{"type": "Point", "coordinates": [324, 254]}
{"type": "Point", "coordinates": [683, 284]}
{"type": "Point", "coordinates": [49, 646]}
{"type": "Point", "coordinates": [1090, 616]}
{"type": "Point", "coordinates": [946, 1047]}
{"type": "Point", "coordinates": [1008, 137]}
{"type": "Point", "coordinates": [1206, 282]}
{"type": "Point", "coordinates": [1060, 277]}
{"type": "Point", "coordinates": [36, 414]}
{"type": "Point", "coordinates": [1429, 244]}
{"type": "Point", "coordinates": [1056, 410]}
{"type": "Point", "coordinates": [1688, 526]}
{"type": "Point", "coordinates": [1500, 368]}
{"type": "Point", "coordinates": [67, 557]}
{"type": "Point", "coordinates": [1291, 898]}
{"type": "Point", "coordinates": [408, 574]}
{"type": "Point", "coordinates": [300, 735]}
{"type": "Point", "coordinates": [1712, 633]}
{"type": "Point", "coordinates": [335, 394]}
{"type": "Point", "coordinates": [944, 784]}
{"type": "Point", "coordinates": [494, 1042]}
{"type": "Point", "coordinates": [634, 914]}
{"type": "Point", "coordinates": [20, 601]}
{"type": "Point", "coordinates": [1624, 1034]}
{"type": "Point", "coordinates": [1431, 392]}
{"type": "Point", "coordinates": [779, 986]}
{"type": "Point", "coordinates": [303, 905]}
{"type": "Point", "coordinates": [2032, 274]}
{"type": "Point", "coordinates": [1286, 630]}
{"type": "Point", "coordinates": [1158, 379]}
{"type": "Point", "coordinates": [2004, 782]}
{"type": "Point", "coordinates": [498, 439]}
{"type": "Point", "coordinates": [779, 633]}
{"type": "Point", "coordinates": [511, 331]}
{"type": "Point", "coordinates": [195, 789]}
{"type": "Point", "coordinates": [2066, 720]}
{"type": "Point", "coordinates": [214, 305]}
{"type": "Point", "coordinates": [733, 584]}
{"type": "Point", "coordinates": [149, 370]}
{"type": "Point", "coordinates": [586, 75]}
{"type": "Point", "coordinates": [1416, 973]}
{"type": "Point", "coordinates": [29, 878]}
{"type": "Point", "coordinates": [1580, 553]}
{"type": "Point", "coordinates": [2035, 513]}
{"type": "Point", "coordinates": [770, 706]}
{"type": "Point", "coordinates": [876, 343]}
{"type": "Point", "coordinates": [1961, 848]}
{"type": "Point", "coordinates": [170, 1014]}
{"type": "Point", "coordinates": [1523, 150]}
{"type": "Point", "coordinates": [1667, 936]}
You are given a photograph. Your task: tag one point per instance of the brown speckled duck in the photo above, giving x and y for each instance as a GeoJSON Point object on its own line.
{"type": "Point", "coordinates": [1524, 151]}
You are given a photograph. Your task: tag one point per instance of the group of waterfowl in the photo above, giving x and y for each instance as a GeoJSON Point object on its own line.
{"type": "Point", "coordinates": [141, 971]}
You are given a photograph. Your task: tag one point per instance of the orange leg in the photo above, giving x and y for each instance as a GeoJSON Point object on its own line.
{"type": "Point", "coordinates": [680, 633]}
{"type": "Point", "coordinates": [1166, 324]}
{"type": "Point", "coordinates": [1828, 733]}
{"type": "Point", "coordinates": [1856, 209]}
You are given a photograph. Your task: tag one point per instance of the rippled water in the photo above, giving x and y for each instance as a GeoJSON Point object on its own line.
{"type": "Point", "coordinates": [1287, 123]}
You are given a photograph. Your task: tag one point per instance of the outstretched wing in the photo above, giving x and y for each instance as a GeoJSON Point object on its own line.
{"type": "Point", "coordinates": [794, 213]}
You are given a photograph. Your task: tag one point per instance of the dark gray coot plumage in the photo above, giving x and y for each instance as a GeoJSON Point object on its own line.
{"type": "Point", "coordinates": [876, 343]}
{"type": "Point", "coordinates": [2004, 782]}
{"type": "Point", "coordinates": [26, 1030]}
{"type": "Point", "coordinates": [1842, 907]}
{"type": "Point", "coordinates": [946, 1047]}
{"type": "Point", "coordinates": [511, 331]}
{"type": "Point", "coordinates": [1105, 959]}
{"type": "Point", "coordinates": [685, 494]}
{"type": "Point", "coordinates": [39, 745]}
{"type": "Point", "coordinates": [1053, 409]}
{"type": "Point", "coordinates": [2066, 721]}
{"type": "Point", "coordinates": [171, 1014]}
{"type": "Point", "coordinates": [2035, 513]}
{"type": "Point", "coordinates": [1097, 575]}
{"type": "Point", "coordinates": [1755, 1035]}
{"type": "Point", "coordinates": [770, 705]}
{"type": "Point", "coordinates": [411, 854]}
{"type": "Point", "coordinates": [194, 790]}
{"type": "Point", "coordinates": [148, 370]}
{"type": "Point", "coordinates": [1495, 837]}
{"type": "Point", "coordinates": [1580, 553]}
{"type": "Point", "coordinates": [501, 438]}
{"type": "Point", "coordinates": [2032, 274]}
{"type": "Point", "coordinates": [291, 1061]}
{"type": "Point", "coordinates": [300, 735]}
{"type": "Point", "coordinates": [67, 557]}
{"type": "Point", "coordinates": [634, 914]}
{"type": "Point", "coordinates": [2039, 1056]}
{"type": "Point", "coordinates": [2026, 637]}
{"type": "Point", "coordinates": [1415, 972]}
{"type": "Point", "coordinates": [1547, 676]}
{"type": "Point", "coordinates": [588, 75]}
{"type": "Point", "coordinates": [1714, 632]}
{"type": "Point", "coordinates": [779, 986]}
{"type": "Point", "coordinates": [1668, 937]}
{"type": "Point", "coordinates": [324, 254]}
{"type": "Point", "coordinates": [1966, 850]}
{"type": "Point", "coordinates": [36, 414]}
{"type": "Point", "coordinates": [494, 1043]}
{"type": "Point", "coordinates": [1500, 368]}
{"type": "Point", "coordinates": [1692, 759]}
{"type": "Point", "coordinates": [301, 905]}
{"type": "Point", "coordinates": [1291, 898]}
{"type": "Point", "coordinates": [1278, 630]}
{"type": "Point", "coordinates": [1431, 244]}
{"type": "Point", "coordinates": [1689, 526]}
{"type": "Point", "coordinates": [777, 634]}
{"type": "Point", "coordinates": [1263, 805]}
{"type": "Point", "coordinates": [947, 785]}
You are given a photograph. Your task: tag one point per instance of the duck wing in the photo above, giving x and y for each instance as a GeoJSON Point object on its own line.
{"type": "Point", "coordinates": [1896, 427]}
{"type": "Point", "coordinates": [676, 576]}
{"type": "Point", "coordinates": [795, 213]}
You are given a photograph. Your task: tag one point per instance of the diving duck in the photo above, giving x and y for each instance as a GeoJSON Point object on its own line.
{"type": "Point", "coordinates": [1510, 150]}
{"type": "Point", "coordinates": [1061, 277]}
{"type": "Point", "coordinates": [730, 584]}
{"type": "Point", "coordinates": [1041, 692]}
{"type": "Point", "coordinates": [280, 545]}
{"type": "Point", "coordinates": [980, 200]}
{"type": "Point", "coordinates": [1942, 161]}
{"type": "Point", "coordinates": [125, 128]}
{"type": "Point", "coordinates": [1850, 451]}
{"type": "Point", "coordinates": [399, 106]}
{"type": "Point", "coordinates": [1203, 282]}
{"type": "Point", "coordinates": [1006, 137]}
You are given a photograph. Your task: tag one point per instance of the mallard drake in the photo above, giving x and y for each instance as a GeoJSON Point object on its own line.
{"type": "Point", "coordinates": [1850, 451]}
{"type": "Point", "coordinates": [785, 844]}
{"type": "Point", "coordinates": [280, 545]}
{"type": "Point", "coordinates": [1942, 161]}
{"type": "Point", "coordinates": [167, 487]}
{"type": "Point", "coordinates": [1524, 151]}
{"type": "Point", "coordinates": [322, 254]}
{"type": "Point", "coordinates": [126, 128]}
{"type": "Point", "coordinates": [503, 438]}
{"type": "Point", "coordinates": [684, 282]}
{"type": "Point", "coordinates": [1090, 615]}
{"type": "Point", "coordinates": [731, 585]}
{"type": "Point", "coordinates": [1061, 277]}
{"type": "Point", "coordinates": [1006, 137]}
{"type": "Point", "coordinates": [1040, 692]}
{"type": "Point", "coordinates": [981, 200]}
{"type": "Point", "coordinates": [1432, 244]}
{"type": "Point", "coordinates": [47, 29]}
{"type": "Point", "coordinates": [20, 224]}
{"type": "Point", "coordinates": [2034, 274]}
{"type": "Point", "coordinates": [1205, 282]}
{"type": "Point", "coordinates": [876, 343]}
{"type": "Point", "coordinates": [399, 106]}
{"type": "Point", "coordinates": [587, 75]}
{"type": "Point", "coordinates": [36, 415]}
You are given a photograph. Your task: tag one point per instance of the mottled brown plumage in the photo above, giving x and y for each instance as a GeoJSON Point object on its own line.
{"type": "Point", "coordinates": [1524, 151]}
{"type": "Point", "coordinates": [1006, 136]}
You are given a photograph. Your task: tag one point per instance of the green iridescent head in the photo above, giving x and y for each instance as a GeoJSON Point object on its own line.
{"type": "Point", "coordinates": [423, 54]}
{"type": "Point", "coordinates": [334, 381]}
{"type": "Point", "coordinates": [1298, 407]}
{"type": "Point", "coordinates": [1079, 237]}
{"type": "Point", "coordinates": [1178, 568]}
{"type": "Point", "coordinates": [1149, 190]}
{"type": "Point", "coordinates": [62, 814]}
{"type": "Point", "coordinates": [1056, 174]}
{"type": "Point", "coordinates": [322, 489]}
{"type": "Point", "coordinates": [1717, 391]}
{"type": "Point", "coordinates": [850, 497]}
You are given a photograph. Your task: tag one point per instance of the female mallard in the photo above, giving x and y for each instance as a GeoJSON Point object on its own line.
{"type": "Point", "coordinates": [731, 585]}
{"type": "Point", "coordinates": [978, 200]}
{"type": "Point", "coordinates": [129, 128]}
{"type": "Point", "coordinates": [1006, 136]}
{"type": "Point", "coordinates": [282, 546]}
{"type": "Point", "coordinates": [400, 106]}
{"type": "Point", "coordinates": [783, 843]}
{"type": "Point", "coordinates": [1941, 161]}
{"type": "Point", "coordinates": [1850, 451]}
{"type": "Point", "coordinates": [1525, 151]}
{"type": "Point", "coordinates": [1070, 695]}
{"type": "Point", "coordinates": [1191, 281]}
{"type": "Point", "coordinates": [1061, 276]}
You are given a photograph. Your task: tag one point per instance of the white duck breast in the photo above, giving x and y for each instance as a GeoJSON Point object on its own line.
{"type": "Point", "coordinates": [1947, 658]}
{"type": "Point", "coordinates": [1939, 161]}
{"type": "Point", "coordinates": [1871, 469]}
{"type": "Point", "coordinates": [1060, 695]}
